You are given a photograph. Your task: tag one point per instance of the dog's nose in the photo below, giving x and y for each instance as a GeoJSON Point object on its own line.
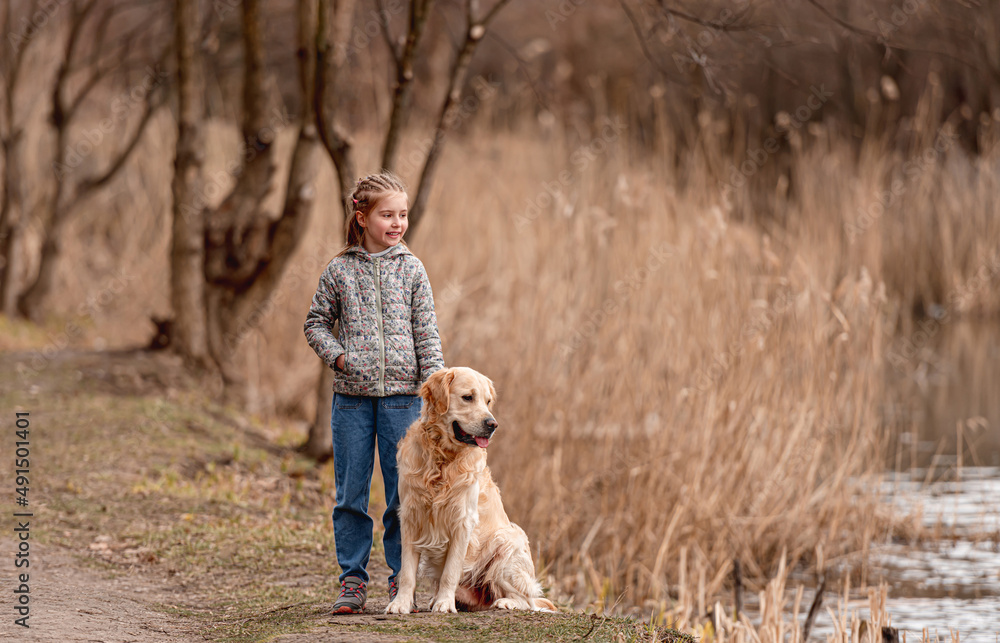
{"type": "Point", "coordinates": [491, 424]}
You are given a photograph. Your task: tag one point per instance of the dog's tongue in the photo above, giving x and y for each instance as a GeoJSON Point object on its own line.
{"type": "Point", "coordinates": [483, 442]}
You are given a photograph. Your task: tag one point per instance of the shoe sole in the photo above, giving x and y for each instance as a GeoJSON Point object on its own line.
{"type": "Point", "coordinates": [346, 609]}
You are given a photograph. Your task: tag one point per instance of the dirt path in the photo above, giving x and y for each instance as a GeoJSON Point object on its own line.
{"type": "Point", "coordinates": [72, 603]}
{"type": "Point", "coordinates": [69, 603]}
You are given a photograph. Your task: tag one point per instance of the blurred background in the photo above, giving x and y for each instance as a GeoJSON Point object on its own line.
{"type": "Point", "coordinates": [733, 266]}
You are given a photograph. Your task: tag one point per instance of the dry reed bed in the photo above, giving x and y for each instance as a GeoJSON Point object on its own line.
{"type": "Point", "coordinates": [676, 387]}
{"type": "Point", "coordinates": [680, 390]}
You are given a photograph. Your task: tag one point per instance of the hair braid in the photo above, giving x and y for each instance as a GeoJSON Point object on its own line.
{"type": "Point", "coordinates": [367, 193]}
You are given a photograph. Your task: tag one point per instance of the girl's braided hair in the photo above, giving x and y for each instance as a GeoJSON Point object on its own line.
{"type": "Point", "coordinates": [367, 193]}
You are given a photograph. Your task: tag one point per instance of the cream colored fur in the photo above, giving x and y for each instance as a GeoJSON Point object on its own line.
{"type": "Point", "coordinates": [454, 527]}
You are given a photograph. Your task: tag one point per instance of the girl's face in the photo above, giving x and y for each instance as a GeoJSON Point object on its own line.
{"type": "Point", "coordinates": [385, 224]}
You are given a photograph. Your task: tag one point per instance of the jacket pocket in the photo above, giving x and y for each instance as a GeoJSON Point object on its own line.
{"type": "Point", "coordinates": [348, 367]}
{"type": "Point", "coordinates": [401, 359]}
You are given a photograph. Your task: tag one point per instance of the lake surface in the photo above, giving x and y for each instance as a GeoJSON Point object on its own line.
{"type": "Point", "coordinates": [948, 414]}
{"type": "Point", "coordinates": [954, 583]}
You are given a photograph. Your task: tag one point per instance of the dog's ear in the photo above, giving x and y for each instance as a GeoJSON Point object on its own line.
{"type": "Point", "coordinates": [493, 394]}
{"type": "Point", "coordinates": [436, 391]}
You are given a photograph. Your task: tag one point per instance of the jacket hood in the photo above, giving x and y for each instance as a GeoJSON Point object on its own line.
{"type": "Point", "coordinates": [396, 250]}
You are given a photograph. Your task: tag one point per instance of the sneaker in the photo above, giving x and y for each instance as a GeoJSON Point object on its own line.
{"type": "Point", "coordinates": [353, 595]}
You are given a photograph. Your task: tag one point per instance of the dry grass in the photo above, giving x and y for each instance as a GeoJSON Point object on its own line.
{"type": "Point", "coordinates": [678, 390]}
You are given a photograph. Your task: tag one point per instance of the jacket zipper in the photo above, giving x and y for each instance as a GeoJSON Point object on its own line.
{"type": "Point", "coordinates": [381, 336]}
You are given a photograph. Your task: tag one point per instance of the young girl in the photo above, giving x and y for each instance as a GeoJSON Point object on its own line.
{"type": "Point", "coordinates": [387, 346]}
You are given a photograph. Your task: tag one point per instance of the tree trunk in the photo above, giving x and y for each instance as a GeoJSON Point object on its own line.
{"type": "Point", "coordinates": [12, 204]}
{"type": "Point", "coordinates": [246, 252]}
{"type": "Point", "coordinates": [11, 228]}
{"type": "Point", "coordinates": [187, 250]}
{"type": "Point", "coordinates": [32, 302]}
{"type": "Point", "coordinates": [65, 104]}
{"type": "Point", "coordinates": [333, 31]}
{"type": "Point", "coordinates": [320, 443]}
{"type": "Point", "coordinates": [13, 253]}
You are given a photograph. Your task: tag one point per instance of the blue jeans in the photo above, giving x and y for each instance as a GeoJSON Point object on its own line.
{"type": "Point", "coordinates": [356, 423]}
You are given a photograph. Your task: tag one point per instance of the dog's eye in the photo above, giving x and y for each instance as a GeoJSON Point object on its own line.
{"type": "Point", "coordinates": [467, 398]}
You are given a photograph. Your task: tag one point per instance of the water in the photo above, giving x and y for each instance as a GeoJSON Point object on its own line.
{"type": "Point", "coordinates": [953, 582]}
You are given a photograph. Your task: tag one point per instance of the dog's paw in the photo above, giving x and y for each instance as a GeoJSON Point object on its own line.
{"type": "Point", "coordinates": [400, 606]}
{"type": "Point", "coordinates": [508, 604]}
{"type": "Point", "coordinates": [446, 605]}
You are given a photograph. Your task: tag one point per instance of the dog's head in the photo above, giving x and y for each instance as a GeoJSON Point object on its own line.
{"type": "Point", "coordinates": [458, 403]}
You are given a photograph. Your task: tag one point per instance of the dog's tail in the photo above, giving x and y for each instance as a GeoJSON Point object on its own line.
{"type": "Point", "coordinates": [541, 604]}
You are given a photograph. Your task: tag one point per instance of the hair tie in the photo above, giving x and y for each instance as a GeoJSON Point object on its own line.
{"type": "Point", "coordinates": [355, 201]}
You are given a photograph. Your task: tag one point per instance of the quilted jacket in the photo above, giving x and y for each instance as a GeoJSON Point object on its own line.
{"type": "Point", "coordinates": [388, 329]}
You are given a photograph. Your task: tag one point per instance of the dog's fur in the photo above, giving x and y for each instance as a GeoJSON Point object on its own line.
{"type": "Point", "coordinates": [454, 527]}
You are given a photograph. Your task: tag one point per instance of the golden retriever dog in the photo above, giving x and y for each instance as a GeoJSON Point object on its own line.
{"type": "Point", "coordinates": [454, 527]}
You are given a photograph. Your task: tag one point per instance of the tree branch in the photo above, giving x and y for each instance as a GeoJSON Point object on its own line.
{"type": "Point", "coordinates": [151, 106]}
{"type": "Point", "coordinates": [716, 25]}
{"type": "Point", "coordinates": [474, 34]}
{"type": "Point", "coordinates": [387, 33]}
{"type": "Point", "coordinates": [60, 116]}
{"type": "Point", "coordinates": [637, 28]}
{"type": "Point", "coordinates": [843, 23]}
{"type": "Point", "coordinates": [332, 35]}
{"type": "Point", "coordinates": [401, 100]}
{"type": "Point", "coordinates": [100, 72]}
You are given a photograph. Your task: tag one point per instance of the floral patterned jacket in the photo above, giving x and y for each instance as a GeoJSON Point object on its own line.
{"type": "Point", "coordinates": [388, 329]}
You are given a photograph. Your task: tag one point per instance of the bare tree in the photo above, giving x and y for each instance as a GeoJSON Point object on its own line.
{"type": "Point", "coordinates": [68, 193]}
{"type": "Point", "coordinates": [12, 217]}
{"type": "Point", "coordinates": [227, 275]}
